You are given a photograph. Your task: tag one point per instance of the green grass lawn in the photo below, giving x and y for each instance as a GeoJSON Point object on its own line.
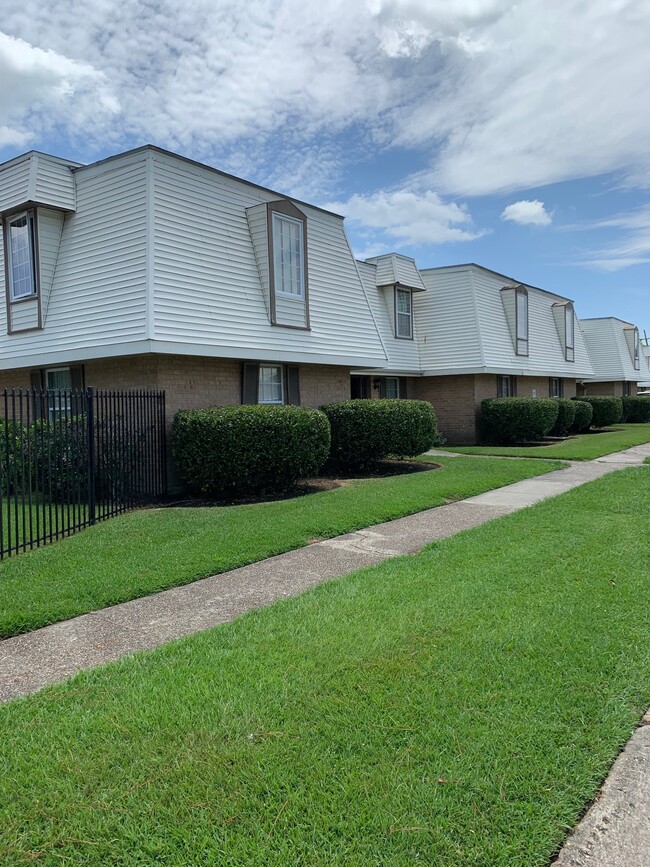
{"type": "Point", "coordinates": [143, 552]}
{"type": "Point", "coordinates": [456, 708]}
{"type": "Point", "coordinates": [584, 447]}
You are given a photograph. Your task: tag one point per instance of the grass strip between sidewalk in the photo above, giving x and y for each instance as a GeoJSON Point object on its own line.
{"type": "Point", "coordinates": [140, 553]}
{"type": "Point", "coordinates": [456, 708]}
{"type": "Point", "coordinates": [584, 447]}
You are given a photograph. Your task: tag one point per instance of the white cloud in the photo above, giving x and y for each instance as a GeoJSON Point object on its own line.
{"type": "Point", "coordinates": [36, 81]}
{"type": "Point", "coordinates": [501, 95]}
{"type": "Point", "coordinates": [615, 263]}
{"type": "Point", "coordinates": [527, 212]}
{"type": "Point", "coordinates": [631, 248]}
{"type": "Point", "coordinates": [547, 98]}
{"type": "Point", "coordinates": [407, 218]}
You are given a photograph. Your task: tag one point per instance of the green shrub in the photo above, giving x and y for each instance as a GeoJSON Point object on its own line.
{"type": "Point", "coordinates": [366, 431]}
{"type": "Point", "coordinates": [517, 419]}
{"type": "Point", "coordinates": [584, 413]}
{"type": "Point", "coordinates": [60, 457]}
{"type": "Point", "coordinates": [13, 445]}
{"type": "Point", "coordinates": [230, 451]}
{"type": "Point", "coordinates": [566, 413]}
{"type": "Point", "coordinates": [636, 409]}
{"type": "Point", "coordinates": [607, 410]}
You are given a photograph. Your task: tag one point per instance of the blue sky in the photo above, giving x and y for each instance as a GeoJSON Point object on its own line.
{"type": "Point", "coordinates": [512, 134]}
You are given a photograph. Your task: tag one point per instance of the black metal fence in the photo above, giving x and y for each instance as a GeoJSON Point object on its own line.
{"type": "Point", "coordinates": [69, 459]}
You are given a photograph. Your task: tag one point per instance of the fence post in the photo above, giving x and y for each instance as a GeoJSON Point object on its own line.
{"type": "Point", "coordinates": [90, 448]}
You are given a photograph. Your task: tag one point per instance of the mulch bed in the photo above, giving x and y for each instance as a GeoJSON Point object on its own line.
{"type": "Point", "coordinates": [384, 469]}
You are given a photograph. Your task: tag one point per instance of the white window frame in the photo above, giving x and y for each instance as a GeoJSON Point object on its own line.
{"type": "Point", "coordinates": [28, 216]}
{"type": "Point", "coordinates": [279, 264]}
{"type": "Point", "coordinates": [510, 383]}
{"type": "Point", "coordinates": [394, 381]}
{"type": "Point", "coordinates": [637, 350]}
{"type": "Point", "coordinates": [58, 405]}
{"type": "Point", "coordinates": [276, 401]}
{"type": "Point", "coordinates": [556, 387]}
{"type": "Point", "coordinates": [569, 346]}
{"type": "Point", "coordinates": [402, 316]}
{"type": "Point", "coordinates": [521, 322]}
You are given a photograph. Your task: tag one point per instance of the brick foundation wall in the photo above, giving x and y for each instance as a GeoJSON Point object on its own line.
{"type": "Point", "coordinates": [532, 386]}
{"type": "Point", "coordinates": [15, 379]}
{"type": "Point", "coordinates": [321, 384]}
{"type": "Point", "coordinates": [193, 382]}
{"type": "Point", "coordinates": [609, 388]}
{"type": "Point", "coordinates": [452, 398]}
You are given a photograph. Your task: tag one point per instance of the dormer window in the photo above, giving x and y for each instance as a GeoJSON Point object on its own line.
{"type": "Point", "coordinates": [20, 256]}
{"type": "Point", "coordinates": [521, 317]}
{"type": "Point", "coordinates": [569, 333]}
{"type": "Point", "coordinates": [404, 313]}
{"type": "Point", "coordinates": [633, 345]}
{"type": "Point", "coordinates": [288, 256]}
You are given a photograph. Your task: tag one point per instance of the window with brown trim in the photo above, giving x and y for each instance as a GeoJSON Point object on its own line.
{"type": "Point", "coordinates": [359, 387]}
{"type": "Point", "coordinates": [392, 387]}
{"type": "Point", "coordinates": [403, 313]}
{"type": "Point", "coordinates": [521, 321]}
{"type": "Point", "coordinates": [555, 387]}
{"type": "Point", "coordinates": [288, 255]}
{"type": "Point", "coordinates": [569, 333]}
{"type": "Point", "coordinates": [268, 383]}
{"type": "Point", "coordinates": [20, 256]}
{"type": "Point", "coordinates": [506, 386]}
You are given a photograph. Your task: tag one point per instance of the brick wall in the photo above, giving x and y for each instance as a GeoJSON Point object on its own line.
{"type": "Point", "coordinates": [532, 386]}
{"type": "Point", "coordinates": [609, 388]}
{"type": "Point", "coordinates": [452, 398]}
{"type": "Point", "coordinates": [321, 384]}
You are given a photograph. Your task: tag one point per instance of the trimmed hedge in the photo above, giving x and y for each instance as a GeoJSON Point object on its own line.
{"type": "Point", "coordinates": [227, 451]}
{"type": "Point", "coordinates": [44, 456]}
{"type": "Point", "coordinates": [584, 414]}
{"type": "Point", "coordinates": [566, 413]}
{"type": "Point", "coordinates": [366, 431]}
{"type": "Point", "coordinates": [636, 409]}
{"type": "Point", "coordinates": [607, 410]}
{"type": "Point", "coordinates": [517, 419]}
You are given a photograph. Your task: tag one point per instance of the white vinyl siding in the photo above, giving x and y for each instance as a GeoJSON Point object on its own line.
{"type": "Point", "coordinates": [50, 227]}
{"type": "Point", "coordinates": [257, 226]}
{"type": "Point", "coordinates": [38, 178]}
{"type": "Point", "coordinates": [54, 183]}
{"type": "Point", "coordinates": [94, 261]}
{"type": "Point", "coordinates": [394, 269]}
{"type": "Point", "coordinates": [463, 318]}
{"type": "Point", "coordinates": [446, 321]}
{"type": "Point", "coordinates": [403, 355]}
{"type": "Point", "coordinates": [208, 279]}
{"type": "Point", "coordinates": [611, 353]}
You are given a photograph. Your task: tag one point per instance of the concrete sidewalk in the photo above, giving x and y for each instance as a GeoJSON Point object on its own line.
{"type": "Point", "coordinates": [613, 834]}
{"type": "Point", "coordinates": [52, 654]}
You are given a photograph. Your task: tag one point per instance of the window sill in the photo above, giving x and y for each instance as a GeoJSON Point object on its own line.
{"type": "Point", "coordinates": [290, 296]}
{"type": "Point", "coordinates": [24, 298]}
